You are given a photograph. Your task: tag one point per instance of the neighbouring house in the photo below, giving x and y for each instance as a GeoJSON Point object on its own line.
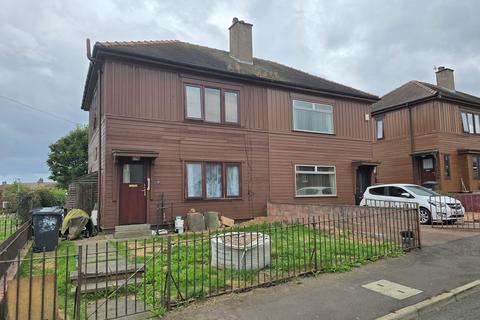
{"type": "Point", "coordinates": [429, 134]}
{"type": "Point", "coordinates": [218, 131]}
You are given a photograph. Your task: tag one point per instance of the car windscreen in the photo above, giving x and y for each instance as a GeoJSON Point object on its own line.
{"type": "Point", "coordinates": [421, 191]}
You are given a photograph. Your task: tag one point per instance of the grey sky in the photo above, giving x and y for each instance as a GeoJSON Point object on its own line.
{"type": "Point", "coordinates": [370, 45]}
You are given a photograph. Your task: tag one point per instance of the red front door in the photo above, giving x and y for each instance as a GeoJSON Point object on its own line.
{"type": "Point", "coordinates": [133, 192]}
{"type": "Point", "coordinates": [428, 169]}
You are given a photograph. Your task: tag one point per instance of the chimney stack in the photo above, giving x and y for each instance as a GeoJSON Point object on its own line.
{"type": "Point", "coordinates": [241, 41]}
{"type": "Point", "coordinates": [445, 78]}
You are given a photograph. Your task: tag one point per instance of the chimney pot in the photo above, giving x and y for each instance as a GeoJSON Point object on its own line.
{"type": "Point", "coordinates": [445, 78]}
{"type": "Point", "coordinates": [241, 41]}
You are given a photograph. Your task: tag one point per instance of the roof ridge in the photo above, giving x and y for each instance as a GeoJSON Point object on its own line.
{"type": "Point", "coordinates": [132, 43]}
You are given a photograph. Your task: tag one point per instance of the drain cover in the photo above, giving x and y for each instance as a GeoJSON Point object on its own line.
{"type": "Point", "coordinates": [392, 289]}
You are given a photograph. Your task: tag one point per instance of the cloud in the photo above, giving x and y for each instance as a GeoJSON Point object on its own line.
{"type": "Point", "coordinates": [371, 45]}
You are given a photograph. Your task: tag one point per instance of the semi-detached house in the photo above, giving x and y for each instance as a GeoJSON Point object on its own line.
{"type": "Point", "coordinates": [219, 130]}
{"type": "Point", "coordinates": [429, 134]}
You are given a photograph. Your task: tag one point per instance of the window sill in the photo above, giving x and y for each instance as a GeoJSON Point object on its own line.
{"type": "Point", "coordinates": [212, 199]}
{"type": "Point", "coordinates": [315, 196]}
{"type": "Point", "coordinates": [315, 132]}
{"type": "Point", "coordinates": [213, 124]}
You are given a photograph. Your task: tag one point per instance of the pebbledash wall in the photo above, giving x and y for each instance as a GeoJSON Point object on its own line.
{"type": "Point", "coordinates": [143, 108]}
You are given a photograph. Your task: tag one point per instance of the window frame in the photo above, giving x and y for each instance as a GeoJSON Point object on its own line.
{"type": "Point", "coordinates": [377, 120]}
{"type": "Point", "coordinates": [467, 124]}
{"type": "Point", "coordinates": [477, 175]}
{"type": "Point", "coordinates": [313, 103]}
{"type": "Point", "coordinates": [335, 194]}
{"type": "Point", "coordinates": [203, 89]}
{"type": "Point", "coordinates": [447, 166]}
{"type": "Point", "coordinates": [223, 109]}
{"type": "Point", "coordinates": [186, 180]}
{"type": "Point", "coordinates": [239, 165]}
{"type": "Point", "coordinates": [204, 181]}
{"type": "Point", "coordinates": [388, 188]}
{"type": "Point", "coordinates": [223, 89]}
{"type": "Point", "coordinates": [202, 103]}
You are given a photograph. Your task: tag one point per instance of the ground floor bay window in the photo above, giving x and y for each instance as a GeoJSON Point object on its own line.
{"type": "Point", "coordinates": [315, 181]}
{"type": "Point", "coordinates": [212, 180]}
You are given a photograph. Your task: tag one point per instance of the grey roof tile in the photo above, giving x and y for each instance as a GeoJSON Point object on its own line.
{"type": "Point", "coordinates": [413, 91]}
{"type": "Point", "coordinates": [184, 53]}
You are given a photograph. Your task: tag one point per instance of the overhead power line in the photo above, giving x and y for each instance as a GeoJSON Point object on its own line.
{"type": "Point", "coordinates": [25, 105]}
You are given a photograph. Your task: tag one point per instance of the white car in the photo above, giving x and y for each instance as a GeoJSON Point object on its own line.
{"type": "Point", "coordinates": [314, 191]}
{"type": "Point", "coordinates": [433, 207]}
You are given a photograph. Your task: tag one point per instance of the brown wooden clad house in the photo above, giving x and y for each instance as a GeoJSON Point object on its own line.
{"type": "Point", "coordinates": [429, 133]}
{"type": "Point", "coordinates": [219, 130]}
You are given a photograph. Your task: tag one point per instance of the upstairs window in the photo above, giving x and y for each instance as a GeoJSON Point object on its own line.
{"type": "Point", "coordinates": [213, 105]}
{"type": "Point", "coordinates": [193, 96]}
{"type": "Point", "coordinates": [379, 128]}
{"type": "Point", "coordinates": [231, 107]}
{"type": "Point", "coordinates": [312, 117]}
{"type": "Point", "coordinates": [471, 122]}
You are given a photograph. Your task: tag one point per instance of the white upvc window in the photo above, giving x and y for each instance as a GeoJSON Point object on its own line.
{"type": "Point", "coordinates": [379, 128]}
{"type": "Point", "coordinates": [312, 117]}
{"type": "Point", "coordinates": [315, 181]}
{"type": "Point", "coordinates": [471, 122]}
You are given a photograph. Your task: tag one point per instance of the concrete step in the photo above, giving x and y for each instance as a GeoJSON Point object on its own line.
{"type": "Point", "coordinates": [132, 227]}
{"type": "Point", "coordinates": [133, 231]}
{"type": "Point", "coordinates": [108, 273]}
{"type": "Point", "coordinates": [90, 287]}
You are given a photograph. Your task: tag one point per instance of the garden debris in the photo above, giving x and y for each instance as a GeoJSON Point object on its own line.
{"type": "Point", "coordinates": [195, 221]}
{"type": "Point", "coordinates": [227, 222]}
{"type": "Point", "coordinates": [75, 221]}
{"type": "Point", "coordinates": [212, 221]}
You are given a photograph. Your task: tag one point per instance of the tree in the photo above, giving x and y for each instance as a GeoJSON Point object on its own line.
{"type": "Point", "coordinates": [68, 157]}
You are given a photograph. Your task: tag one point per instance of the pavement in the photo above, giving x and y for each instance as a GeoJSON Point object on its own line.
{"type": "Point", "coordinates": [465, 309]}
{"type": "Point", "coordinates": [448, 259]}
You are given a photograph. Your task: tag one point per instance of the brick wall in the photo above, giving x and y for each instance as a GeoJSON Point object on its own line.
{"type": "Point", "coordinates": [471, 202]}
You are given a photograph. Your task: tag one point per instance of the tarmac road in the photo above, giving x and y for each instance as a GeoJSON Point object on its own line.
{"type": "Point", "coordinates": [465, 309]}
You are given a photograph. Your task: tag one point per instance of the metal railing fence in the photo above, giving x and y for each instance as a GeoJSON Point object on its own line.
{"type": "Point", "coordinates": [111, 279]}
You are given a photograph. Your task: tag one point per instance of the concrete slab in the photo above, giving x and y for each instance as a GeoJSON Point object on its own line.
{"type": "Point", "coordinates": [392, 289]}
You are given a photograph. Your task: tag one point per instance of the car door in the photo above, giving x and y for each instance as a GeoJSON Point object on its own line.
{"type": "Point", "coordinates": [396, 196]}
{"type": "Point", "coordinates": [376, 196]}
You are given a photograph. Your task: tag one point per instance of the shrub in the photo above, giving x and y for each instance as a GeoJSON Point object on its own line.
{"type": "Point", "coordinates": [51, 196]}
{"type": "Point", "coordinates": [26, 202]}
{"type": "Point", "coordinates": [22, 200]}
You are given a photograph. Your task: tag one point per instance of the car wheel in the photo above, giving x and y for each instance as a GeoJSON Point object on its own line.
{"type": "Point", "coordinates": [425, 216]}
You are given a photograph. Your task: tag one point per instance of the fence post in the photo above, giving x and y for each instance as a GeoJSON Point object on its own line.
{"type": "Point", "coordinates": [169, 273]}
{"type": "Point", "coordinates": [417, 218]}
{"type": "Point", "coordinates": [315, 243]}
{"type": "Point", "coordinates": [79, 282]}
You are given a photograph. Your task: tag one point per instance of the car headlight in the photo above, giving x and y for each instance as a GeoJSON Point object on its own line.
{"type": "Point", "coordinates": [437, 204]}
